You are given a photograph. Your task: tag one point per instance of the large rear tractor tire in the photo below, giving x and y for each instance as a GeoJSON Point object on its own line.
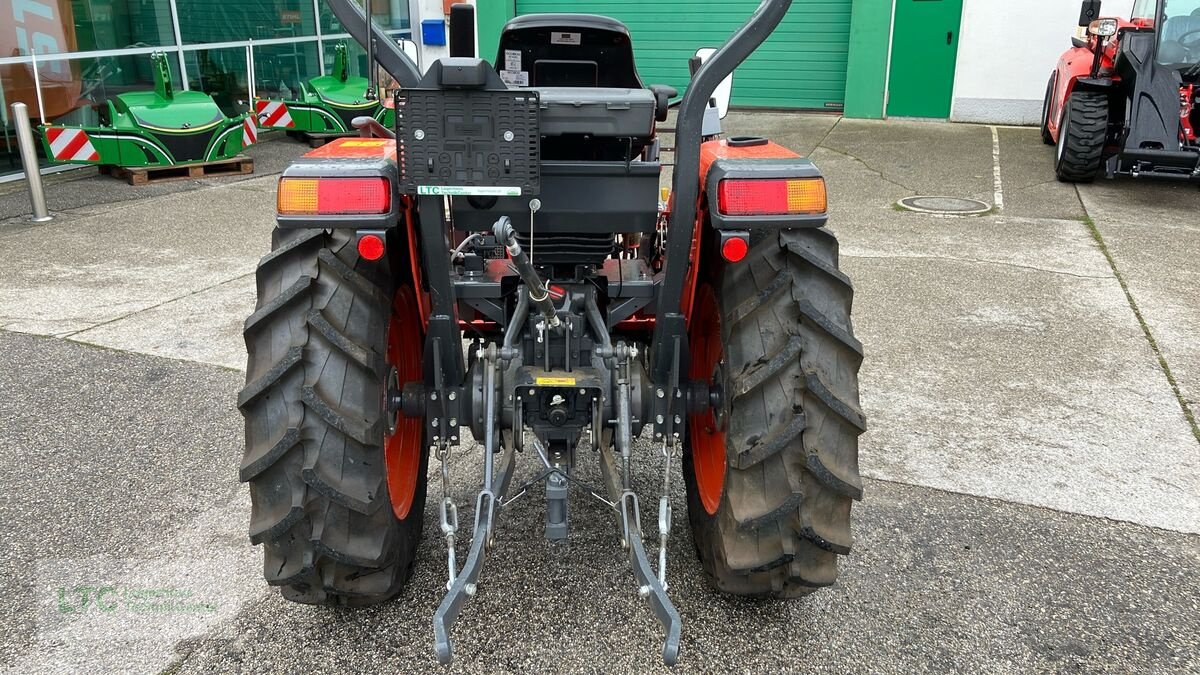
{"type": "Point", "coordinates": [1082, 137]}
{"type": "Point", "coordinates": [772, 471]}
{"type": "Point", "coordinates": [337, 496]}
{"type": "Point", "coordinates": [1047, 137]}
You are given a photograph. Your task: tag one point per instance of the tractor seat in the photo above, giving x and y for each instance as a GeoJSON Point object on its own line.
{"type": "Point", "coordinates": [583, 67]}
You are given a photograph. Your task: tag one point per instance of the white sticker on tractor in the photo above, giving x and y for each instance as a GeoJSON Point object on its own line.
{"type": "Point", "coordinates": [515, 79]}
{"type": "Point", "coordinates": [557, 38]}
{"type": "Point", "coordinates": [512, 60]}
{"type": "Point", "coordinates": [468, 191]}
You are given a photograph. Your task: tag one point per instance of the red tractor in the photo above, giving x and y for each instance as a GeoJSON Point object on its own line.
{"type": "Point", "coordinates": [1123, 100]}
{"type": "Point", "coordinates": [501, 266]}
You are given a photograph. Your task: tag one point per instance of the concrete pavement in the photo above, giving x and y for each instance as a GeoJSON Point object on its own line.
{"type": "Point", "coordinates": [1034, 491]}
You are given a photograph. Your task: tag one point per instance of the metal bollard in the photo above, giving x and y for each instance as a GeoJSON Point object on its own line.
{"type": "Point", "coordinates": [29, 162]}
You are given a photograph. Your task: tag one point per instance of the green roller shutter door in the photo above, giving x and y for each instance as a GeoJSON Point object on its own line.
{"type": "Point", "coordinates": [802, 65]}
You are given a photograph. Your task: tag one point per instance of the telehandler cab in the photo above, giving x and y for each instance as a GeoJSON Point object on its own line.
{"type": "Point", "coordinates": [516, 208]}
{"type": "Point", "coordinates": [1124, 100]}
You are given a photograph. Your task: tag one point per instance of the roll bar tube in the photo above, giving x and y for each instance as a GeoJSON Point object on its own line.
{"type": "Point", "coordinates": [685, 183]}
{"type": "Point", "coordinates": [384, 50]}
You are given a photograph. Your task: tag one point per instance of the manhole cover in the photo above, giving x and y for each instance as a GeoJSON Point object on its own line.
{"type": "Point", "coordinates": [956, 206]}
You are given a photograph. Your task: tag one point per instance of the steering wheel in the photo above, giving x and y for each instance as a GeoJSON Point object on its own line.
{"type": "Point", "coordinates": [1190, 45]}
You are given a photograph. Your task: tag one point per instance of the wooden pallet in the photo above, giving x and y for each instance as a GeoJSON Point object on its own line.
{"type": "Point", "coordinates": [145, 175]}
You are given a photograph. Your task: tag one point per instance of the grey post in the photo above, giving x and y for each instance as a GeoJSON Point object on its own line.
{"type": "Point", "coordinates": [29, 162]}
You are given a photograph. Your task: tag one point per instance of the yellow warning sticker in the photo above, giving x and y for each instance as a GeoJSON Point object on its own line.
{"type": "Point", "coordinates": [556, 381]}
{"type": "Point", "coordinates": [363, 144]}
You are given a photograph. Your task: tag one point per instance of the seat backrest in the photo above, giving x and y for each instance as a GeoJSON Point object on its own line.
{"type": "Point", "coordinates": [567, 50]}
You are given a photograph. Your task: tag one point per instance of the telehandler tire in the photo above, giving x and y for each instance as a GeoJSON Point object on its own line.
{"type": "Point", "coordinates": [337, 500]}
{"type": "Point", "coordinates": [771, 471]}
{"type": "Point", "coordinates": [1082, 137]}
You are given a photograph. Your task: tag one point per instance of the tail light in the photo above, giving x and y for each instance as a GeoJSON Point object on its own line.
{"type": "Point", "coordinates": [333, 196]}
{"type": "Point", "coordinates": [735, 246]}
{"type": "Point", "coordinates": [771, 197]}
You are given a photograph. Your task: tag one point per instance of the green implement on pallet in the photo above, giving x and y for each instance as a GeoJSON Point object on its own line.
{"type": "Point", "coordinates": [156, 128]}
{"type": "Point", "coordinates": [327, 104]}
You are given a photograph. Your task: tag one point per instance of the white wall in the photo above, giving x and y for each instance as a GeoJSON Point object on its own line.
{"type": "Point", "coordinates": [432, 9]}
{"type": "Point", "coordinates": [1007, 50]}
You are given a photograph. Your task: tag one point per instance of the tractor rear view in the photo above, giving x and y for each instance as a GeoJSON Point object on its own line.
{"type": "Point", "coordinates": [1124, 101]}
{"type": "Point", "coordinates": [516, 209]}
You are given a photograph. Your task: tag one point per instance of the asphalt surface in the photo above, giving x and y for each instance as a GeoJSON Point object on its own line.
{"type": "Point", "coordinates": [1033, 491]}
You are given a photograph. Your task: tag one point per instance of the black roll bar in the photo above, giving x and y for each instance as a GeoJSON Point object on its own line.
{"type": "Point", "coordinates": [385, 52]}
{"type": "Point", "coordinates": [685, 183]}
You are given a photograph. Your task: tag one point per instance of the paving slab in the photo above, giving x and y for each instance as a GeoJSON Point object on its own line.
{"type": "Point", "coordinates": [65, 277]}
{"type": "Point", "coordinates": [1152, 230]}
{"type": "Point", "coordinates": [120, 471]}
{"type": "Point", "coordinates": [1029, 184]}
{"type": "Point", "coordinates": [939, 583]}
{"type": "Point", "coordinates": [205, 327]}
{"type": "Point", "coordinates": [921, 158]}
{"type": "Point", "coordinates": [1003, 360]}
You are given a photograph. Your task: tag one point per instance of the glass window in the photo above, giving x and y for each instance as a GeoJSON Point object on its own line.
{"type": "Point", "coordinates": [1145, 9]}
{"type": "Point", "coordinates": [13, 90]}
{"type": "Point", "coordinates": [387, 14]}
{"type": "Point", "coordinates": [105, 77]}
{"type": "Point", "coordinates": [220, 73]}
{"type": "Point", "coordinates": [1179, 33]}
{"type": "Point", "coordinates": [203, 21]}
{"type": "Point", "coordinates": [280, 70]}
{"type": "Point", "coordinates": [116, 24]}
{"type": "Point", "coordinates": [71, 88]}
{"type": "Point", "coordinates": [36, 27]}
{"type": "Point", "coordinates": [356, 56]}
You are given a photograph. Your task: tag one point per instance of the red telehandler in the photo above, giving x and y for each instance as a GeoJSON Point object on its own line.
{"type": "Point", "coordinates": [1123, 100]}
{"type": "Point", "coordinates": [514, 210]}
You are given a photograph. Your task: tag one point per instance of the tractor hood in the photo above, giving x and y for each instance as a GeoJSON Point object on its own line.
{"type": "Point", "coordinates": [186, 111]}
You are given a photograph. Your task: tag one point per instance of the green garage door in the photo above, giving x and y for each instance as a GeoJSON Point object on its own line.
{"type": "Point", "coordinates": [802, 65]}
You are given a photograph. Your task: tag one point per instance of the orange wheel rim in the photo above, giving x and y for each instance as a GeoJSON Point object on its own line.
{"type": "Point", "coordinates": [403, 448]}
{"type": "Point", "coordinates": [707, 437]}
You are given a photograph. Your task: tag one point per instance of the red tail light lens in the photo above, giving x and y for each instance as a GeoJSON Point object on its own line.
{"type": "Point", "coordinates": [735, 247]}
{"type": "Point", "coordinates": [333, 196]}
{"type": "Point", "coordinates": [370, 247]}
{"type": "Point", "coordinates": [772, 197]}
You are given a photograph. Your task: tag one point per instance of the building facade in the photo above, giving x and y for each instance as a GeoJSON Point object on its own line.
{"type": "Point", "coordinates": [63, 57]}
{"type": "Point", "coordinates": [963, 60]}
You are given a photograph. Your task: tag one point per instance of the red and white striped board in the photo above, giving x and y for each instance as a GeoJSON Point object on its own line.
{"type": "Point", "coordinates": [71, 145]}
{"type": "Point", "coordinates": [249, 132]}
{"type": "Point", "coordinates": [273, 114]}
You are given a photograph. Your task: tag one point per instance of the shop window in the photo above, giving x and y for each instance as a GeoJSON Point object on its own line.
{"type": "Point", "coordinates": [387, 14]}
{"type": "Point", "coordinates": [203, 21]}
{"type": "Point", "coordinates": [117, 24]}
{"type": "Point", "coordinates": [280, 70]}
{"type": "Point", "coordinates": [220, 73]}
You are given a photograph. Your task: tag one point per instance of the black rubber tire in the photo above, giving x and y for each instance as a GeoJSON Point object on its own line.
{"type": "Point", "coordinates": [791, 383]}
{"type": "Point", "coordinates": [1047, 138]}
{"type": "Point", "coordinates": [315, 425]}
{"type": "Point", "coordinates": [1082, 137]}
